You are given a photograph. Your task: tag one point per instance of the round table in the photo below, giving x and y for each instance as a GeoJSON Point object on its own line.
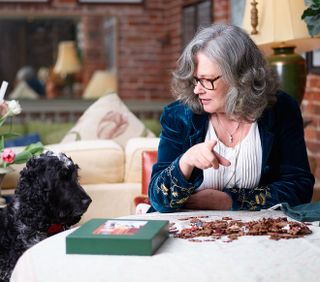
{"type": "Point", "coordinates": [250, 258]}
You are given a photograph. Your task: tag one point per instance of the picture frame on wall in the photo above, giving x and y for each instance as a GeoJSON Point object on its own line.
{"type": "Point", "coordinates": [111, 1]}
{"type": "Point", "coordinates": [313, 61]}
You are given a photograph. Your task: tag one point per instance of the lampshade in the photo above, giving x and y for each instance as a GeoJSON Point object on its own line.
{"type": "Point", "coordinates": [101, 83]}
{"type": "Point", "coordinates": [280, 21]}
{"type": "Point", "coordinates": [67, 61]}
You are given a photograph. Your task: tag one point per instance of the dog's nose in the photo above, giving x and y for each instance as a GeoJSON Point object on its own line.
{"type": "Point", "coordinates": [86, 202]}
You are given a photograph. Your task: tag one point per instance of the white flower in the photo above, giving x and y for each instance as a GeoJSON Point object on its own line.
{"type": "Point", "coordinates": [14, 108]}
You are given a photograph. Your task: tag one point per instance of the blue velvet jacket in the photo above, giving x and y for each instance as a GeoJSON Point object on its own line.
{"type": "Point", "coordinates": [285, 175]}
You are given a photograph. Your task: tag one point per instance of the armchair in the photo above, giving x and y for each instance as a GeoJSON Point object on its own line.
{"type": "Point", "coordinates": [148, 159]}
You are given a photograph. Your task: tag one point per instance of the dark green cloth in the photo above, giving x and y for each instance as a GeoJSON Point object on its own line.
{"type": "Point", "coordinates": [306, 212]}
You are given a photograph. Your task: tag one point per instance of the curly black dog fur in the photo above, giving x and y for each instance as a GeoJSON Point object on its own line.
{"type": "Point", "coordinates": [48, 199]}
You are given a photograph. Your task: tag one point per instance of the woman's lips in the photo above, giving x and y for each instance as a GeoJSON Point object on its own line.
{"type": "Point", "coordinates": [205, 101]}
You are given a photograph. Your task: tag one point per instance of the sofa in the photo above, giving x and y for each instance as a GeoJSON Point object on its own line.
{"type": "Point", "coordinates": [109, 173]}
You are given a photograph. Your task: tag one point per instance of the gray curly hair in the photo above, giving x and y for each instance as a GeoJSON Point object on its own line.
{"type": "Point", "coordinates": [252, 83]}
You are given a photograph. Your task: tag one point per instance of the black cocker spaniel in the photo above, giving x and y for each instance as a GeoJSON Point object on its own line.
{"type": "Point", "coordinates": [48, 199]}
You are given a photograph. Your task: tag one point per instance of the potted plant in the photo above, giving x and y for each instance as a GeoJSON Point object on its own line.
{"type": "Point", "coordinates": [8, 156]}
{"type": "Point", "coordinates": [311, 16]}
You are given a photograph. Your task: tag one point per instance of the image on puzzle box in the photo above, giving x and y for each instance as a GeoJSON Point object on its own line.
{"type": "Point", "coordinates": [119, 227]}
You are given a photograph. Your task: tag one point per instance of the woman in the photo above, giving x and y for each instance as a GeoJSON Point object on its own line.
{"type": "Point", "coordinates": [231, 140]}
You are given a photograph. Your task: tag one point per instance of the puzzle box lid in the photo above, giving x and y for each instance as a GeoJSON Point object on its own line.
{"type": "Point", "coordinates": [118, 237]}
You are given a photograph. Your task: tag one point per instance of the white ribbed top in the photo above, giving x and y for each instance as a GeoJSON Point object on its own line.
{"type": "Point", "coordinates": [245, 158]}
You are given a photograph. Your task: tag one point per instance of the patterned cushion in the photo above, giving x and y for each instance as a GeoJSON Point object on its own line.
{"type": "Point", "coordinates": [108, 118]}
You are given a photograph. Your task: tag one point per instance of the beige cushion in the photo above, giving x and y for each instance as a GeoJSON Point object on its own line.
{"type": "Point", "coordinates": [10, 180]}
{"type": "Point", "coordinates": [133, 153]}
{"type": "Point", "coordinates": [100, 161]}
{"type": "Point", "coordinates": [108, 118]}
{"type": "Point", "coordinates": [23, 91]}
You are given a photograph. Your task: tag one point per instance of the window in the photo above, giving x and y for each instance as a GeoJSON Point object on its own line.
{"type": "Point", "coordinates": [35, 42]}
{"type": "Point", "coordinates": [194, 17]}
{"type": "Point", "coordinates": [313, 61]}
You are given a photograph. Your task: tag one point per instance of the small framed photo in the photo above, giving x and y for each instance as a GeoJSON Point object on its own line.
{"type": "Point", "coordinates": [111, 1]}
{"type": "Point", "coordinates": [313, 61]}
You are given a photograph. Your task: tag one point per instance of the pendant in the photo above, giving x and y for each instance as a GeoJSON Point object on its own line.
{"type": "Point", "coordinates": [230, 139]}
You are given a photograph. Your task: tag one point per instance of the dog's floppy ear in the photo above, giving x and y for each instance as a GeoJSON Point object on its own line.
{"type": "Point", "coordinates": [32, 176]}
{"type": "Point", "coordinates": [48, 166]}
{"type": "Point", "coordinates": [33, 168]}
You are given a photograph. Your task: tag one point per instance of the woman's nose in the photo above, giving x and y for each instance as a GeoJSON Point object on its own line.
{"type": "Point", "coordinates": [198, 89]}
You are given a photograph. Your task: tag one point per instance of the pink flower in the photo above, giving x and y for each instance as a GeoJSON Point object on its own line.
{"type": "Point", "coordinates": [8, 155]}
{"type": "Point", "coordinates": [3, 109]}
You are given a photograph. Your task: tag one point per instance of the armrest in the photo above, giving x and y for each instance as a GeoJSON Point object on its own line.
{"type": "Point", "coordinates": [133, 154]}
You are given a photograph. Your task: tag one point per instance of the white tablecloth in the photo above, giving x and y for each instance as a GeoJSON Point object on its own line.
{"type": "Point", "coordinates": [250, 258]}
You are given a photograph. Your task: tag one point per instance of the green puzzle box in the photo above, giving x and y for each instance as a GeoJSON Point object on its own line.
{"type": "Point", "coordinates": [118, 237]}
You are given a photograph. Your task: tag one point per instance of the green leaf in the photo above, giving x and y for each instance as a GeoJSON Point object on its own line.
{"type": "Point", "coordinates": [2, 120]}
{"type": "Point", "coordinates": [310, 12]}
{"type": "Point", "coordinates": [10, 134]}
{"type": "Point", "coordinates": [35, 148]}
{"type": "Point", "coordinates": [308, 2]}
{"type": "Point", "coordinates": [316, 2]}
{"type": "Point", "coordinates": [2, 143]}
{"type": "Point", "coordinates": [22, 157]}
{"type": "Point", "coordinates": [29, 151]}
{"type": "Point", "coordinates": [311, 16]}
{"type": "Point", "coordinates": [313, 24]}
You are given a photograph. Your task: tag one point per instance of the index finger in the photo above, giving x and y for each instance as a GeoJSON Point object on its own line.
{"type": "Point", "coordinates": [221, 160]}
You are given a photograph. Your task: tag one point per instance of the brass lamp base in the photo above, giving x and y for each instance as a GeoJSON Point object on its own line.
{"type": "Point", "coordinates": [291, 69]}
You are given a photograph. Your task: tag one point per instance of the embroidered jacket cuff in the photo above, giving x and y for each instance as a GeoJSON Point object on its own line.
{"type": "Point", "coordinates": [249, 199]}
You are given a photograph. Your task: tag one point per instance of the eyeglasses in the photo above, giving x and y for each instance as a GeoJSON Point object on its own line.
{"type": "Point", "coordinates": [205, 83]}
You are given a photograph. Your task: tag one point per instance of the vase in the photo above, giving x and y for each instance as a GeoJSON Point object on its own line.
{"type": "Point", "coordinates": [291, 68]}
{"type": "Point", "coordinates": [3, 172]}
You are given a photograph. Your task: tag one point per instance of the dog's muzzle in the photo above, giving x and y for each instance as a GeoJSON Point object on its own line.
{"type": "Point", "coordinates": [86, 202]}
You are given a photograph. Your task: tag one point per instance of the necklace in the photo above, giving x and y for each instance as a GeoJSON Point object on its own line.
{"type": "Point", "coordinates": [232, 181]}
{"type": "Point", "coordinates": [230, 134]}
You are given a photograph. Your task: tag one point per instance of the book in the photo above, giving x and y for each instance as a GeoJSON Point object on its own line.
{"type": "Point", "coordinates": [118, 237]}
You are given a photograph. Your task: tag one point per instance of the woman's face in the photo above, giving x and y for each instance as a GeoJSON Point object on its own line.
{"type": "Point", "coordinates": [210, 77]}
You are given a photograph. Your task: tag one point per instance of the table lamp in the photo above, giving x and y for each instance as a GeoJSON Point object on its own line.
{"type": "Point", "coordinates": [67, 64]}
{"type": "Point", "coordinates": [101, 83]}
{"type": "Point", "coordinates": [278, 30]}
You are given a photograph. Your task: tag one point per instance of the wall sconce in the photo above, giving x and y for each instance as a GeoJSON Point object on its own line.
{"type": "Point", "coordinates": [67, 64]}
{"type": "Point", "coordinates": [279, 31]}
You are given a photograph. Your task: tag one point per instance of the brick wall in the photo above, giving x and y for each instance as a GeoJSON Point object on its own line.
{"type": "Point", "coordinates": [173, 35]}
{"type": "Point", "coordinates": [311, 112]}
{"type": "Point", "coordinates": [142, 37]}
{"type": "Point", "coordinates": [149, 39]}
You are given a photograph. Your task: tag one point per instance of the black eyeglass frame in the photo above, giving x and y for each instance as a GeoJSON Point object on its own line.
{"type": "Point", "coordinates": [196, 80]}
